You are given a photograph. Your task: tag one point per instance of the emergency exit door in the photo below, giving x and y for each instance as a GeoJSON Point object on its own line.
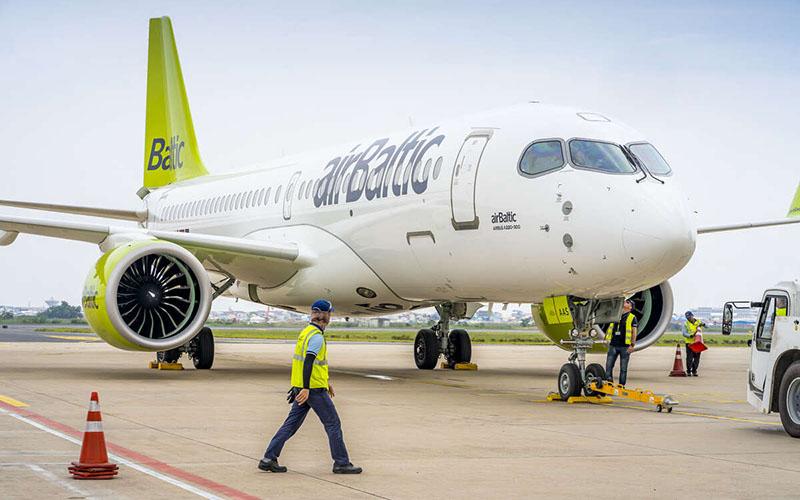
{"type": "Point", "coordinates": [462, 185]}
{"type": "Point", "coordinates": [287, 200]}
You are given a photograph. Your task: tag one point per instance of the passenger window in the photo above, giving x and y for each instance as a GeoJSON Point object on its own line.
{"type": "Point", "coordinates": [249, 202]}
{"type": "Point", "coordinates": [601, 156]}
{"type": "Point", "coordinates": [301, 190]}
{"type": "Point", "coordinates": [278, 193]}
{"type": "Point", "coordinates": [266, 196]}
{"type": "Point", "coordinates": [650, 158]}
{"type": "Point", "coordinates": [541, 157]}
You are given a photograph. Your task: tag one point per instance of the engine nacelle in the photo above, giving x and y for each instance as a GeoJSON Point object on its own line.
{"type": "Point", "coordinates": [147, 295]}
{"type": "Point", "coordinates": [653, 307]}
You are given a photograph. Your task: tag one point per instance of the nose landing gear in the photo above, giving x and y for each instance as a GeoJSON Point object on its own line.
{"type": "Point", "coordinates": [574, 375]}
{"type": "Point", "coordinates": [438, 340]}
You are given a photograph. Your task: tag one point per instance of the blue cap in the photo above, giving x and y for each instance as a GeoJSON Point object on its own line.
{"type": "Point", "coordinates": [322, 306]}
{"type": "Point", "coordinates": [689, 313]}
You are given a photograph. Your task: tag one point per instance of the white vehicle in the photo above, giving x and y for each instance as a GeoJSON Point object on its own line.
{"type": "Point", "coordinates": [563, 208]}
{"type": "Point", "coordinates": [773, 380]}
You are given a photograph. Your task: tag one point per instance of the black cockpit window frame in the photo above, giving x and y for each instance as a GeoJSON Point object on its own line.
{"type": "Point", "coordinates": [544, 172]}
{"type": "Point", "coordinates": [641, 143]}
{"type": "Point", "coordinates": [590, 169]}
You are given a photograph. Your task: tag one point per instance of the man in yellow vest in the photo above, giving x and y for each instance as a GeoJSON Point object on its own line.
{"type": "Point", "coordinates": [621, 337]}
{"type": "Point", "coordinates": [311, 389]}
{"type": "Point", "coordinates": [689, 331]}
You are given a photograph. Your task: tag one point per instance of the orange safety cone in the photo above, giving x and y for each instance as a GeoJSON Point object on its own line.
{"type": "Point", "coordinates": [93, 463]}
{"type": "Point", "coordinates": [677, 366]}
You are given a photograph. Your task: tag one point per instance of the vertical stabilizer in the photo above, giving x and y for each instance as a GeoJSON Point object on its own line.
{"type": "Point", "coordinates": [794, 209]}
{"type": "Point", "coordinates": [170, 149]}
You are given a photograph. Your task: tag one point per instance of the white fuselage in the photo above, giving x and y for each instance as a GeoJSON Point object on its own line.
{"type": "Point", "coordinates": [443, 213]}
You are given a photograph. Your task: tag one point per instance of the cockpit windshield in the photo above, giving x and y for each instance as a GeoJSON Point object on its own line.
{"type": "Point", "coordinates": [650, 157]}
{"type": "Point", "coordinates": [601, 156]}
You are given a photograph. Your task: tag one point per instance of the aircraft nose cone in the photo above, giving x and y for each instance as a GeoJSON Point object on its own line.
{"type": "Point", "coordinates": [658, 233]}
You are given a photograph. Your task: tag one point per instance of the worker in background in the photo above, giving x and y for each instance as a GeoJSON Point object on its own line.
{"type": "Point", "coordinates": [780, 306]}
{"type": "Point", "coordinates": [689, 331]}
{"type": "Point", "coordinates": [621, 338]}
{"type": "Point", "coordinates": [311, 389]}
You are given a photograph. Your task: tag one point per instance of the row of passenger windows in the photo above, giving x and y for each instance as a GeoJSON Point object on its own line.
{"type": "Point", "coordinates": [548, 155]}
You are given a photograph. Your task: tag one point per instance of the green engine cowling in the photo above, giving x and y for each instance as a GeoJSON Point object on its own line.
{"type": "Point", "coordinates": [147, 295]}
{"type": "Point", "coordinates": [653, 308]}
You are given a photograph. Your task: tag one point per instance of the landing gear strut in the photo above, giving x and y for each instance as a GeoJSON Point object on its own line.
{"type": "Point", "coordinates": [433, 342]}
{"type": "Point", "coordinates": [200, 349]}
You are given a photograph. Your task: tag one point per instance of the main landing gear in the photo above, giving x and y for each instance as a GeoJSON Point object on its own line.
{"type": "Point", "coordinates": [200, 350]}
{"type": "Point", "coordinates": [433, 342]}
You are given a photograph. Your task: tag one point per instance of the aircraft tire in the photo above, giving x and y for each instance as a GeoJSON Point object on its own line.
{"type": "Point", "coordinates": [594, 371]}
{"type": "Point", "coordinates": [569, 381]}
{"type": "Point", "coordinates": [462, 346]}
{"type": "Point", "coordinates": [426, 349]}
{"type": "Point", "coordinates": [203, 355]}
{"type": "Point", "coordinates": [789, 400]}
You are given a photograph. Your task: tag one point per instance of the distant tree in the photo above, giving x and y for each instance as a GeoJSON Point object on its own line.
{"type": "Point", "coordinates": [526, 321]}
{"type": "Point", "coordinates": [61, 311]}
{"type": "Point", "coordinates": [6, 315]}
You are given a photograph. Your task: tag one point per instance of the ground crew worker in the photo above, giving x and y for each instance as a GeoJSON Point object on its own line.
{"type": "Point", "coordinates": [621, 337]}
{"type": "Point", "coordinates": [780, 306]}
{"type": "Point", "coordinates": [689, 331]}
{"type": "Point", "coordinates": [311, 389]}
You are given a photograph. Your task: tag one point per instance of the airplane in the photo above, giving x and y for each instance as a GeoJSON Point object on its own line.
{"type": "Point", "coordinates": [566, 209]}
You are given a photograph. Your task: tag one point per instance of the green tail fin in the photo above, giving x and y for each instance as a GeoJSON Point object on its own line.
{"type": "Point", "coordinates": [170, 149]}
{"type": "Point", "coordinates": [794, 209]}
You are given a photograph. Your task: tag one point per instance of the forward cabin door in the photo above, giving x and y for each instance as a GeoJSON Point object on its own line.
{"type": "Point", "coordinates": [462, 184]}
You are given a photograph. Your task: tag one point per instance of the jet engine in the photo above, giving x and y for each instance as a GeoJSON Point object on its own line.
{"type": "Point", "coordinates": [147, 295]}
{"type": "Point", "coordinates": [653, 307]}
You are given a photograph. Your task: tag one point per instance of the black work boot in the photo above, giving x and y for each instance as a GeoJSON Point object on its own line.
{"type": "Point", "coordinates": [346, 469]}
{"type": "Point", "coordinates": [271, 466]}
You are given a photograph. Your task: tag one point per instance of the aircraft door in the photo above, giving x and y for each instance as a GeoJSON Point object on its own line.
{"type": "Point", "coordinates": [287, 200]}
{"type": "Point", "coordinates": [462, 184]}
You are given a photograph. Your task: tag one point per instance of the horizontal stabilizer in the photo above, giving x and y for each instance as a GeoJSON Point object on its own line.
{"type": "Point", "coordinates": [108, 213]}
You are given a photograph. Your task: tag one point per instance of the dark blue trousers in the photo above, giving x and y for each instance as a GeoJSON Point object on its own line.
{"type": "Point", "coordinates": [611, 359]}
{"type": "Point", "coordinates": [320, 401]}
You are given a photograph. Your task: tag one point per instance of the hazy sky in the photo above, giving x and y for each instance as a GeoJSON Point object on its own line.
{"type": "Point", "coordinates": [713, 85]}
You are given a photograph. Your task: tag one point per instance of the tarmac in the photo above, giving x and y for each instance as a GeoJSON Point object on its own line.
{"type": "Point", "coordinates": [488, 433]}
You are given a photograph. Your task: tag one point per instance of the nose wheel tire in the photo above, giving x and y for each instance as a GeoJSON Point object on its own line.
{"type": "Point", "coordinates": [569, 381]}
{"type": "Point", "coordinates": [426, 349]}
{"type": "Point", "coordinates": [789, 400]}
{"type": "Point", "coordinates": [461, 346]}
{"type": "Point", "coordinates": [596, 372]}
{"type": "Point", "coordinates": [201, 349]}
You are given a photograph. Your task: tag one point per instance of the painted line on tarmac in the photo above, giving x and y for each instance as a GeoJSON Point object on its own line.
{"type": "Point", "coordinates": [81, 338]}
{"type": "Point", "coordinates": [706, 415]}
{"type": "Point", "coordinates": [13, 402]}
{"type": "Point", "coordinates": [134, 460]}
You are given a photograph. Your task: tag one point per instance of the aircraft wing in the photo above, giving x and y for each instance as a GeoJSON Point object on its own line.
{"type": "Point", "coordinates": [237, 257]}
{"type": "Point", "coordinates": [746, 225]}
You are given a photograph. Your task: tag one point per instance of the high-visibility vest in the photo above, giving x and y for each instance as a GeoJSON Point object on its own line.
{"type": "Point", "coordinates": [691, 328]}
{"type": "Point", "coordinates": [319, 372]}
{"type": "Point", "coordinates": [628, 328]}
{"type": "Point", "coordinates": [780, 311]}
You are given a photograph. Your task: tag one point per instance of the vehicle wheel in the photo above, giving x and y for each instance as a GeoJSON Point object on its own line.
{"type": "Point", "coordinates": [171, 356]}
{"type": "Point", "coordinates": [596, 372]}
{"type": "Point", "coordinates": [789, 400]}
{"type": "Point", "coordinates": [426, 349]}
{"type": "Point", "coordinates": [203, 352]}
{"type": "Point", "coordinates": [569, 381]}
{"type": "Point", "coordinates": [462, 346]}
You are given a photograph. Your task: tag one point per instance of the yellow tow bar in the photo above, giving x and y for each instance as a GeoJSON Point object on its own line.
{"type": "Point", "coordinates": [661, 401]}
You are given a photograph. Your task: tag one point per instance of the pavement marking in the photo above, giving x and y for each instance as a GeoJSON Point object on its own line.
{"type": "Point", "coordinates": [59, 481]}
{"type": "Point", "coordinates": [130, 458]}
{"type": "Point", "coordinates": [13, 402]}
{"type": "Point", "coordinates": [380, 377]}
{"type": "Point", "coordinates": [74, 337]}
{"type": "Point", "coordinates": [707, 415]}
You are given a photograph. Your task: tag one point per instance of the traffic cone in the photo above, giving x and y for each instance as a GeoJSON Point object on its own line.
{"type": "Point", "coordinates": [677, 366]}
{"type": "Point", "coordinates": [93, 463]}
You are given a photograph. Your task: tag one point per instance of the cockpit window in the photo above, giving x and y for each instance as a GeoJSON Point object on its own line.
{"type": "Point", "coordinates": [601, 156]}
{"type": "Point", "coordinates": [651, 158]}
{"type": "Point", "coordinates": [541, 157]}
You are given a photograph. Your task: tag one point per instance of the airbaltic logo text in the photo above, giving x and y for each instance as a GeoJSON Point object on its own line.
{"type": "Point", "coordinates": [504, 217]}
{"type": "Point", "coordinates": [166, 157]}
{"type": "Point", "coordinates": [379, 170]}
